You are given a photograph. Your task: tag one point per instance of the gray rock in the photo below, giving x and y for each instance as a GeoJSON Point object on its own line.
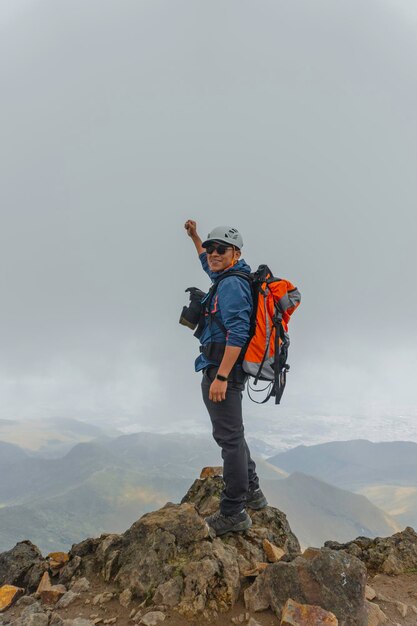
{"type": "Point", "coordinates": [78, 621]}
{"type": "Point", "coordinates": [67, 572]}
{"type": "Point", "coordinates": [102, 598]}
{"type": "Point", "coordinates": [22, 566]}
{"type": "Point", "coordinates": [152, 618]}
{"type": "Point", "coordinates": [33, 607]}
{"type": "Point", "coordinates": [389, 555]}
{"type": "Point", "coordinates": [80, 585]}
{"type": "Point", "coordinates": [68, 598]}
{"type": "Point", "coordinates": [169, 555]}
{"type": "Point", "coordinates": [34, 619]}
{"type": "Point", "coordinates": [56, 619]}
{"type": "Point", "coordinates": [169, 593]}
{"type": "Point", "coordinates": [25, 601]}
{"type": "Point", "coordinates": [268, 523]}
{"type": "Point", "coordinates": [333, 580]}
{"type": "Point", "coordinates": [125, 598]}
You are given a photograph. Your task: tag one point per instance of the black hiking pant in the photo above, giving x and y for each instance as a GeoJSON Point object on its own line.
{"type": "Point", "coordinates": [239, 470]}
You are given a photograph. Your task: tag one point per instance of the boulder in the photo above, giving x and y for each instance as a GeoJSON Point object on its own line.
{"type": "Point", "coordinates": [389, 555]}
{"type": "Point", "coordinates": [170, 558]}
{"type": "Point", "coordinates": [81, 559]}
{"type": "Point", "coordinates": [22, 566]}
{"type": "Point", "coordinates": [175, 542]}
{"type": "Point", "coordinates": [332, 580]}
{"type": "Point", "coordinates": [268, 523]}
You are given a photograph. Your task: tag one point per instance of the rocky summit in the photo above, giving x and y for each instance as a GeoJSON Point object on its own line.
{"type": "Point", "coordinates": [169, 567]}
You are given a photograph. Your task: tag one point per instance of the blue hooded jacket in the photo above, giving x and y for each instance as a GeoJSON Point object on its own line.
{"type": "Point", "coordinates": [233, 303]}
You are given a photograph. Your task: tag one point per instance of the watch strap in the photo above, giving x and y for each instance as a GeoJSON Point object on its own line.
{"type": "Point", "coordinates": [222, 378]}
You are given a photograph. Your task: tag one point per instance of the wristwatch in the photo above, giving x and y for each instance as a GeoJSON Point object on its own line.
{"type": "Point", "coordinates": [222, 378]}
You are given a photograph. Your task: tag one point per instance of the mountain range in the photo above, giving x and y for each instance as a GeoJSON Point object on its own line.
{"type": "Point", "coordinates": [105, 484]}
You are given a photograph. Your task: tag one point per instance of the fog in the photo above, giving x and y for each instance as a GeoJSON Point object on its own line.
{"type": "Point", "coordinates": [293, 122]}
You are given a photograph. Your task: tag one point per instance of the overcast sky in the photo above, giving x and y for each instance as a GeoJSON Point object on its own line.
{"type": "Point", "coordinates": [293, 121]}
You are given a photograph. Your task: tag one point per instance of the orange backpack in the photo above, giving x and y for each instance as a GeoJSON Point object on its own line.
{"type": "Point", "coordinates": [264, 357]}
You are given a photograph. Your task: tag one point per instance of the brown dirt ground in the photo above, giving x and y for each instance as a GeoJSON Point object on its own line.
{"type": "Point", "coordinates": [401, 588]}
{"type": "Point", "coordinates": [79, 608]}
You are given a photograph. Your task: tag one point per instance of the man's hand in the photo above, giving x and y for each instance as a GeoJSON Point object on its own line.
{"type": "Point", "coordinates": [218, 390]}
{"type": "Point", "coordinates": [191, 228]}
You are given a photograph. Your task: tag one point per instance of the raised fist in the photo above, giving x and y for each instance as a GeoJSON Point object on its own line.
{"type": "Point", "coordinates": [191, 228]}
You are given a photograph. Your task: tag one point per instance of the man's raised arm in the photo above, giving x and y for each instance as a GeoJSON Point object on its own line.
{"type": "Point", "coordinates": [191, 228]}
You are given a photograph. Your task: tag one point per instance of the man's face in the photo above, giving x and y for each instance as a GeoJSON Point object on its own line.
{"type": "Point", "coordinates": [218, 262]}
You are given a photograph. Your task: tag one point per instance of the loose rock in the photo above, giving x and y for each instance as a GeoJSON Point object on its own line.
{"type": "Point", "coordinates": [152, 618]}
{"type": "Point", "coordinates": [68, 598]}
{"type": "Point", "coordinates": [272, 552]}
{"type": "Point", "coordinates": [80, 585]}
{"type": "Point", "coordinates": [125, 598]}
{"type": "Point", "coordinates": [53, 595]}
{"type": "Point", "coordinates": [207, 472]}
{"type": "Point", "coordinates": [253, 622]}
{"type": "Point", "coordinates": [78, 621]}
{"type": "Point", "coordinates": [102, 598]}
{"type": "Point", "coordinates": [295, 614]}
{"type": "Point", "coordinates": [56, 619]}
{"type": "Point", "coordinates": [370, 593]}
{"type": "Point", "coordinates": [8, 595]}
{"type": "Point", "coordinates": [25, 601]}
{"type": "Point", "coordinates": [376, 616]}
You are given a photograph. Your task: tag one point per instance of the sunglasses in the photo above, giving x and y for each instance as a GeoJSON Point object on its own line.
{"type": "Point", "coordinates": [220, 249]}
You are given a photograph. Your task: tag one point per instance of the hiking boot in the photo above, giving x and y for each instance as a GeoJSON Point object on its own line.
{"type": "Point", "coordinates": [255, 499]}
{"type": "Point", "coordinates": [223, 524]}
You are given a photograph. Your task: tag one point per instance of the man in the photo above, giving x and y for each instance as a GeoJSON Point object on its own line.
{"type": "Point", "coordinates": [225, 332]}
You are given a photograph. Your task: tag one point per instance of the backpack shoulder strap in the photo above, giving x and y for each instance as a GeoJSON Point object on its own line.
{"type": "Point", "coordinates": [213, 288]}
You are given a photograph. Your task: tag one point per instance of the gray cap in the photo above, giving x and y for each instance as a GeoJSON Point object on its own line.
{"type": "Point", "coordinates": [225, 234]}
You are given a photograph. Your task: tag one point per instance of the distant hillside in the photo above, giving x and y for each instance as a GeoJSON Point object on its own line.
{"type": "Point", "coordinates": [398, 501]}
{"type": "Point", "coordinates": [105, 486]}
{"type": "Point", "coordinates": [34, 478]}
{"type": "Point", "coordinates": [9, 453]}
{"type": "Point", "coordinates": [354, 464]}
{"type": "Point", "coordinates": [107, 501]}
{"type": "Point", "coordinates": [52, 437]}
{"type": "Point", "coordinates": [317, 510]}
